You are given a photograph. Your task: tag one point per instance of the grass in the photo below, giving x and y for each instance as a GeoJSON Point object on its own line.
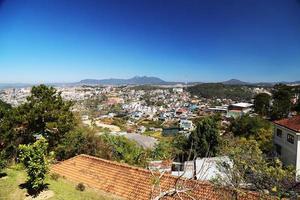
{"type": "Point", "coordinates": [62, 188]}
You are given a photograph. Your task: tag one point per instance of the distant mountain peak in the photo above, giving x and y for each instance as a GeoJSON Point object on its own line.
{"type": "Point", "coordinates": [235, 82]}
{"type": "Point", "coordinates": [136, 80]}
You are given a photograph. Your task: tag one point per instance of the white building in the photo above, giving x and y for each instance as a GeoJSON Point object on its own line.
{"type": "Point", "coordinates": [206, 168]}
{"type": "Point", "coordinates": [287, 141]}
{"type": "Point", "coordinates": [239, 109]}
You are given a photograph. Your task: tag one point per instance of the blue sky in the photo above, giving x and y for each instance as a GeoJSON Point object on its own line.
{"type": "Point", "coordinates": [176, 40]}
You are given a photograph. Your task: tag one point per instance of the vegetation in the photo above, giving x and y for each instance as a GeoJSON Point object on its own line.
{"type": "Point", "coordinates": [282, 102]}
{"type": "Point", "coordinates": [35, 161]}
{"type": "Point", "coordinates": [219, 90]}
{"type": "Point", "coordinates": [44, 113]}
{"type": "Point", "coordinates": [11, 187]}
{"type": "Point", "coordinates": [204, 141]}
{"type": "Point", "coordinates": [250, 166]}
{"type": "Point", "coordinates": [262, 104]}
{"type": "Point", "coordinates": [124, 150]}
{"type": "Point", "coordinates": [255, 128]}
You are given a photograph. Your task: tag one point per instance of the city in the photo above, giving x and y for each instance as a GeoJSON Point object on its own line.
{"type": "Point", "coordinates": [149, 100]}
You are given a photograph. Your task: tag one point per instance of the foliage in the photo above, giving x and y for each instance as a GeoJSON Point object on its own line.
{"type": "Point", "coordinates": [262, 104]}
{"type": "Point", "coordinates": [255, 128]}
{"type": "Point", "coordinates": [34, 159]}
{"type": "Point", "coordinates": [80, 187]}
{"type": "Point", "coordinates": [204, 141]}
{"type": "Point", "coordinates": [45, 113]}
{"type": "Point", "coordinates": [162, 151]}
{"type": "Point", "coordinates": [125, 150]}
{"type": "Point", "coordinates": [82, 141]}
{"type": "Point", "coordinates": [48, 114]}
{"type": "Point", "coordinates": [219, 90]}
{"type": "Point", "coordinates": [249, 169]}
{"type": "Point", "coordinates": [54, 176]}
{"type": "Point", "coordinates": [297, 107]}
{"type": "Point", "coordinates": [62, 188]}
{"type": "Point", "coordinates": [282, 102]}
{"type": "Point", "coordinates": [4, 108]}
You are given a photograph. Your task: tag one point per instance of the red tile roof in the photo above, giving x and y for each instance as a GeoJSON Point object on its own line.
{"type": "Point", "coordinates": [292, 123]}
{"type": "Point", "coordinates": [132, 182]}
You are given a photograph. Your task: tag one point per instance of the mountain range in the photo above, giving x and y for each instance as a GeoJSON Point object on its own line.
{"type": "Point", "coordinates": [141, 80]}
{"type": "Point", "coordinates": [137, 80]}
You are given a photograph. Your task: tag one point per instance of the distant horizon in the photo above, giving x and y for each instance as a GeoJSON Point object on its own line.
{"type": "Point", "coordinates": [200, 81]}
{"type": "Point", "coordinates": [175, 40]}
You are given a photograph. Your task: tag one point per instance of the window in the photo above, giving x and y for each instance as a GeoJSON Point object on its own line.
{"type": "Point", "coordinates": [279, 133]}
{"type": "Point", "coordinates": [290, 138]}
{"type": "Point", "coordinates": [278, 149]}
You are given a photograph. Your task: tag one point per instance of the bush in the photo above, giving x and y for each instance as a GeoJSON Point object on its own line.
{"type": "Point", "coordinates": [36, 164]}
{"type": "Point", "coordinates": [54, 176]}
{"type": "Point", "coordinates": [80, 187]}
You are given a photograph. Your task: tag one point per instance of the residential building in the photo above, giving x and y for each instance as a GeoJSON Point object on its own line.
{"type": "Point", "coordinates": [239, 109]}
{"type": "Point", "coordinates": [287, 141]}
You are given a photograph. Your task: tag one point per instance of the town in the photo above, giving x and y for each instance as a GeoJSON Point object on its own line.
{"type": "Point", "coordinates": [149, 100]}
{"type": "Point", "coordinates": [157, 118]}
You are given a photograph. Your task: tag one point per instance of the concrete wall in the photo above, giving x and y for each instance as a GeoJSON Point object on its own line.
{"type": "Point", "coordinates": [289, 151]}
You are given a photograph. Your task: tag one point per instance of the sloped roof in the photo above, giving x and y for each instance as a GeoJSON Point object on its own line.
{"type": "Point", "coordinates": [292, 123]}
{"type": "Point", "coordinates": [132, 182]}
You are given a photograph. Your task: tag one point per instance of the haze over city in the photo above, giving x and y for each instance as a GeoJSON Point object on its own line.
{"type": "Point", "coordinates": [175, 40]}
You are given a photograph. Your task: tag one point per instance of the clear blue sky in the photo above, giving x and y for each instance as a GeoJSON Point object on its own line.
{"type": "Point", "coordinates": [176, 40]}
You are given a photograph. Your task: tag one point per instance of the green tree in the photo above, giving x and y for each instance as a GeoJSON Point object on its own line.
{"type": "Point", "coordinates": [281, 102]}
{"type": "Point", "coordinates": [35, 161]}
{"type": "Point", "coordinates": [4, 108]}
{"type": "Point", "coordinates": [82, 140]}
{"type": "Point", "coordinates": [262, 104]}
{"type": "Point", "coordinates": [297, 107]}
{"type": "Point", "coordinates": [125, 150]}
{"type": "Point", "coordinates": [255, 128]}
{"type": "Point", "coordinates": [46, 113]}
{"type": "Point", "coordinates": [204, 141]}
{"type": "Point", "coordinates": [249, 168]}
{"type": "Point", "coordinates": [162, 151]}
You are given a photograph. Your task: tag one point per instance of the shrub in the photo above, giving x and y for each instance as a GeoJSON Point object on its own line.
{"type": "Point", "coordinates": [80, 187]}
{"type": "Point", "coordinates": [36, 164]}
{"type": "Point", "coordinates": [54, 176]}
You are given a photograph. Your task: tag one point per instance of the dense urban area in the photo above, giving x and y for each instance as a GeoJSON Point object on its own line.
{"type": "Point", "coordinates": [240, 137]}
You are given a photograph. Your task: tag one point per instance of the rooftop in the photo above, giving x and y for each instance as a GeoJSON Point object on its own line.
{"type": "Point", "coordinates": [242, 105]}
{"type": "Point", "coordinates": [132, 182]}
{"type": "Point", "coordinates": [292, 123]}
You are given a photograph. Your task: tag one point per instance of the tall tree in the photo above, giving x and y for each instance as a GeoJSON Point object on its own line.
{"type": "Point", "coordinates": [46, 113]}
{"type": "Point", "coordinates": [262, 104]}
{"type": "Point", "coordinates": [281, 102]}
{"type": "Point", "coordinates": [204, 141]}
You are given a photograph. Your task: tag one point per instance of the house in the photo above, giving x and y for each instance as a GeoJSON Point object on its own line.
{"type": "Point", "coordinates": [172, 131]}
{"type": "Point", "coordinates": [186, 125]}
{"type": "Point", "coordinates": [206, 168]}
{"type": "Point", "coordinates": [239, 109]}
{"type": "Point", "coordinates": [287, 141]}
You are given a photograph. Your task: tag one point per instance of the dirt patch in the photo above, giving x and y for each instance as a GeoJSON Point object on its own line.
{"type": "Point", "coordinates": [47, 194]}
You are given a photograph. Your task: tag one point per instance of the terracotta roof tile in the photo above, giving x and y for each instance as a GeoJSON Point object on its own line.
{"type": "Point", "coordinates": [292, 123]}
{"type": "Point", "coordinates": [132, 182]}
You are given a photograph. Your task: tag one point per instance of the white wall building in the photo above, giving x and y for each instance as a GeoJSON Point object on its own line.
{"type": "Point", "coordinates": [287, 141]}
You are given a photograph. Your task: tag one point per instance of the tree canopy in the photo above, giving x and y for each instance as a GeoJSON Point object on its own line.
{"type": "Point", "coordinates": [204, 141]}
{"type": "Point", "coordinates": [262, 104]}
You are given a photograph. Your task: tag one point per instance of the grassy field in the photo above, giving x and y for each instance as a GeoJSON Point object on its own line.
{"type": "Point", "coordinates": [63, 190]}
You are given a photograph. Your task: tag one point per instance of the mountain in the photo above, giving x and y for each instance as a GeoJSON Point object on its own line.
{"type": "Point", "coordinates": [137, 80]}
{"type": "Point", "coordinates": [235, 82]}
{"type": "Point", "coordinates": [14, 85]}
